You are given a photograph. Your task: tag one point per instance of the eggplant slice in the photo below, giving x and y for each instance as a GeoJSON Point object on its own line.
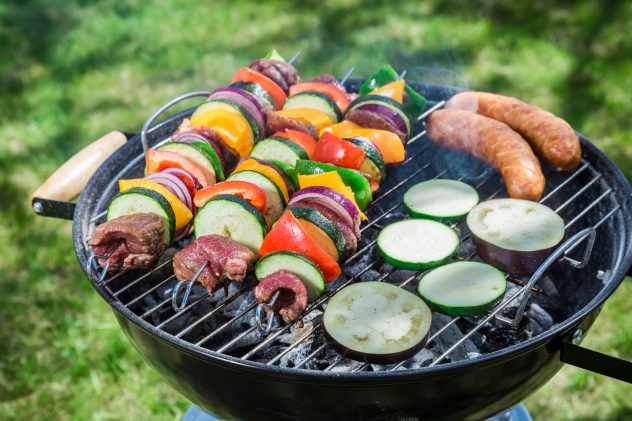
{"type": "Point", "coordinates": [515, 235]}
{"type": "Point", "coordinates": [376, 322]}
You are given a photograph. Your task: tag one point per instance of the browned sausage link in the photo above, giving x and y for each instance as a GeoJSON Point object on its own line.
{"type": "Point", "coordinates": [552, 138]}
{"type": "Point", "coordinates": [493, 142]}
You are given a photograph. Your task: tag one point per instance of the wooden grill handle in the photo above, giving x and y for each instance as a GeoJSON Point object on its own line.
{"type": "Point", "coordinates": [69, 180]}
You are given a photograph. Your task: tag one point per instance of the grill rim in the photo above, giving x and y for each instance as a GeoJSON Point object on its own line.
{"type": "Point", "coordinates": [81, 222]}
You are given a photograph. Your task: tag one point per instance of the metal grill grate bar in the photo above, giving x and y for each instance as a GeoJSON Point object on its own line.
{"type": "Point", "coordinates": [137, 280]}
{"type": "Point", "coordinates": [210, 313]}
{"type": "Point", "coordinates": [149, 291]}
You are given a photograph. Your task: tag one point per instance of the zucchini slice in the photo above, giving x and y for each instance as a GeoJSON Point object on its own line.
{"type": "Point", "coordinates": [278, 149]}
{"type": "Point", "coordinates": [256, 89]}
{"type": "Point", "coordinates": [441, 200]}
{"type": "Point", "coordinates": [275, 203]}
{"type": "Point", "coordinates": [417, 244]}
{"type": "Point", "coordinates": [315, 100]}
{"type": "Point", "coordinates": [232, 217]}
{"type": "Point", "coordinates": [141, 200]}
{"type": "Point", "coordinates": [195, 154]}
{"type": "Point", "coordinates": [215, 161]}
{"type": "Point", "coordinates": [230, 106]}
{"type": "Point", "coordinates": [322, 230]}
{"type": "Point", "coordinates": [296, 264]}
{"type": "Point", "coordinates": [376, 322]}
{"type": "Point", "coordinates": [463, 288]}
{"type": "Point", "coordinates": [373, 164]}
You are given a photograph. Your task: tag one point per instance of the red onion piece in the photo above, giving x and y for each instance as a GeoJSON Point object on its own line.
{"type": "Point", "coordinates": [183, 232]}
{"type": "Point", "coordinates": [388, 114]}
{"type": "Point", "coordinates": [175, 185]}
{"type": "Point", "coordinates": [188, 180]}
{"type": "Point", "coordinates": [333, 200]}
{"type": "Point", "coordinates": [247, 101]}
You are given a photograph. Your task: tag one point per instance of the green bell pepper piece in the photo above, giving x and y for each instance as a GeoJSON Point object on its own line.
{"type": "Point", "coordinates": [356, 181]}
{"type": "Point", "coordinates": [274, 55]}
{"type": "Point", "coordinates": [416, 102]}
{"type": "Point", "coordinates": [289, 171]}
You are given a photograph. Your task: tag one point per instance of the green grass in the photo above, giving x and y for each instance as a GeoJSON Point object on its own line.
{"type": "Point", "coordinates": [73, 70]}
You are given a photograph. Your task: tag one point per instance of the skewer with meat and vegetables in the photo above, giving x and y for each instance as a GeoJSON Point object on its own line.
{"type": "Point", "coordinates": [152, 212]}
{"type": "Point", "coordinates": [321, 226]}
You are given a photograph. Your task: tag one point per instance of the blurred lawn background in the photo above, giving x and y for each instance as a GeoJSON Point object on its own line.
{"type": "Point", "coordinates": [73, 70]}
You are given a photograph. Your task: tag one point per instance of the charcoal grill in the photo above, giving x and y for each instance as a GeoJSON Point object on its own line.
{"type": "Point", "coordinates": [472, 368]}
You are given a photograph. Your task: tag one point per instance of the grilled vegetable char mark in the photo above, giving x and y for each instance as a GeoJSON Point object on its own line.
{"type": "Point", "coordinates": [552, 138]}
{"type": "Point", "coordinates": [132, 241]}
{"type": "Point", "coordinates": [493, 142]}
{"type": "Point", "coordinates": [226, 261]}
{"type": "Point", "coordinates": [292, 297]}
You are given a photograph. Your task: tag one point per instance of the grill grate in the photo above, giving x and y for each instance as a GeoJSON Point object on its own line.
{"type": "Point", "coordinates": [572, 196]}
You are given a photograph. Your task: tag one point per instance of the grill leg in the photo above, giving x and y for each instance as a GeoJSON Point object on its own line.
{"type": "Point", "coordinates": [195, 413]}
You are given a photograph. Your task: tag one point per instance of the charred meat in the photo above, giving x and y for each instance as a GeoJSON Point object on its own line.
{"type": "Point", "coordinates": [292, 294]}
{"type": "Point", "coordinates": [281, 72]}
{"type": "Point", "coordinates": [278, 123]}
{"type": "Point", "coordinates": [225, 259]}
{"type": "Point", "coordinates": [130, 242]}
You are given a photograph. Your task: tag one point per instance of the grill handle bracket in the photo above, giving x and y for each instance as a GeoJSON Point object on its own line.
{"type": "Point", "coordinates": [559, 255]}
{"type": "Point", "coordinates": [574, 354]}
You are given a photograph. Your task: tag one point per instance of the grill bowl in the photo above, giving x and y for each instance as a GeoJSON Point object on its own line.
{"type": "Point", "coordinates": [239, 388]}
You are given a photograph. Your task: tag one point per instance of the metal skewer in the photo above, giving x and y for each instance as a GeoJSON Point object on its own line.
{"type": "Point", "coordinates": [294, 57]}
{"type": "Point", "coordinates": [347, 75]}
{"type": "Point", "coordinates": [265, 310]}
{"type": "Point", "coordinates": [187, 292]}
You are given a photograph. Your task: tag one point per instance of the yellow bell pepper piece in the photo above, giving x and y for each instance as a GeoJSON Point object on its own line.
{"type": "Point", "coordinates": [308, 116]}
{"type": "Point", "coordinates": [230, 126]}
{"type": "Point", "coordinates": [332, 180]}
{"type": "Point", "coordinates": [393, 90]}
{"type": "Point", "coordinates": [253, 165]}
{"type": "Point", "coordinates": [180, 210]}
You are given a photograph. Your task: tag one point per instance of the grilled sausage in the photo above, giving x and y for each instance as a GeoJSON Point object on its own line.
{"type": "Point", "coordinates": [552, 138]}
{"type": "Point", "coordinates": [493, 142]}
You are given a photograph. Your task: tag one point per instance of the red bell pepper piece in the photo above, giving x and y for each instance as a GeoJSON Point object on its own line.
{"type": "Point", "coordinates": [288, 235]}
{"type": "Point", "coordinates": [334, 150]}
{"type": "Point", "coordinates": [302, 139]}
{"type": "Point", "coordinates": [247, 191]}
{"type": "Point", "coordinates": [332, 91]}
{"type": "Point", "coordinates": [157, 160]}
